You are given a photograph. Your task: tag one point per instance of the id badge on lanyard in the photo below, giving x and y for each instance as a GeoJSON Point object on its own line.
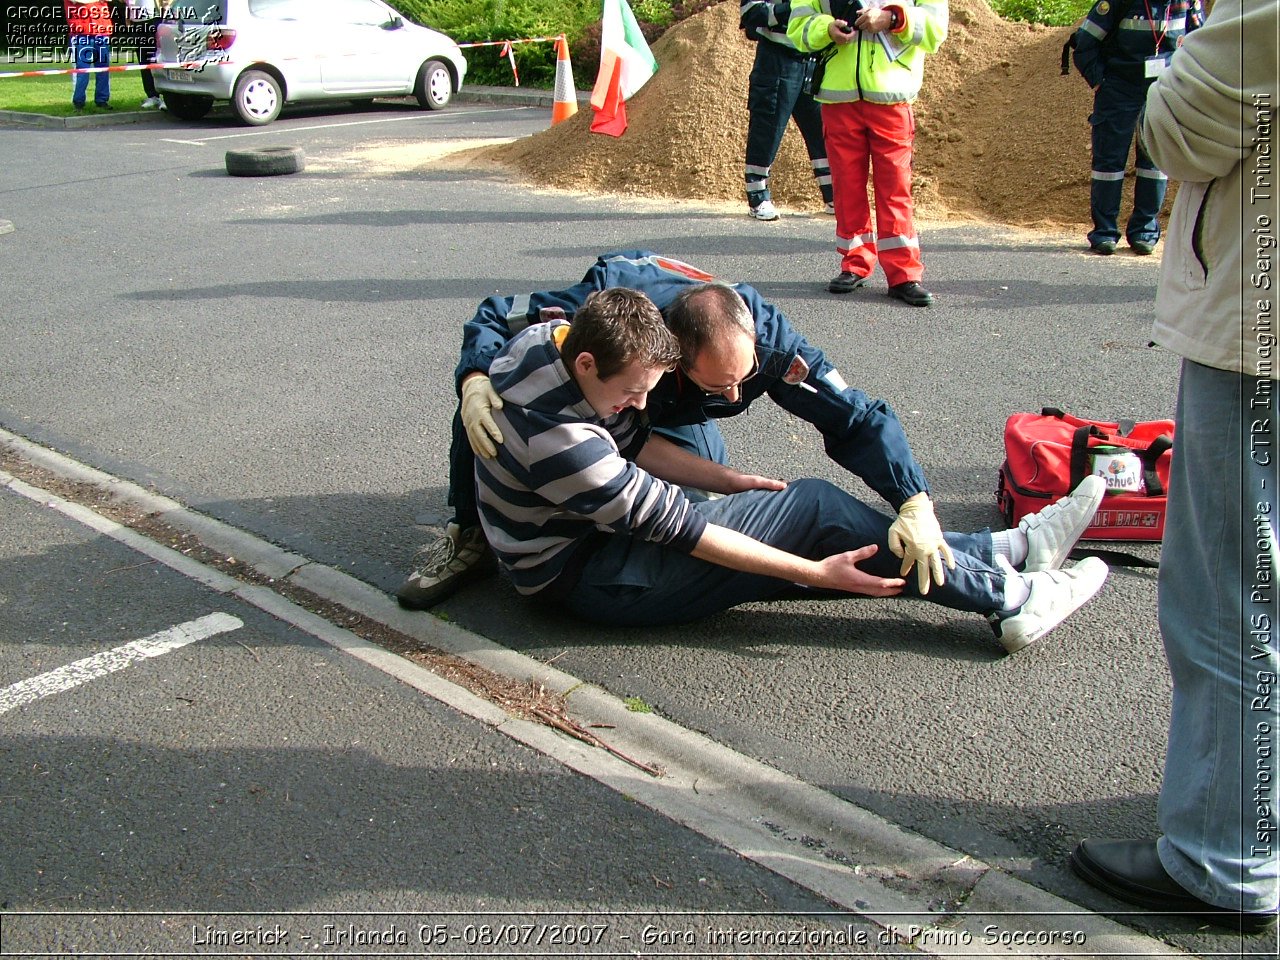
{"type": "Point", "coordinates": [1157, 65]}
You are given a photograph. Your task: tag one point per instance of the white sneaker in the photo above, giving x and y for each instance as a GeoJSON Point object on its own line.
{"type": "Point", "coordinates": [1053, 531]}
{"type": "Point", "coordinates": [152, 103]}
{"type": "Point", "coordinates": [765, 210]}
{"type": "Point", "coordinates": [1055, 595]}
{"type": "Point", "coordinates": [829, 209]}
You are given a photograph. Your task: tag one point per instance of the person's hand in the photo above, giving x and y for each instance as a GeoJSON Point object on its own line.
{"type": "Point", "coordinates": [874, 20]}
{"type": "Point", "coordinates": [840, 32]}
{"type": "Point", "coordinates": [478, 403]}
{"type": "Point", "coordinates": [916, 537]}
{"type": "Point", "coordinates": [840, 572]}
{"type": "Point", "coordinates": [748, 481]}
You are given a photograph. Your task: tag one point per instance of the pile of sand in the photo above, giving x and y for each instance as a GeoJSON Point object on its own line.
{"type": "Point", "coordinates": [1000, 135]}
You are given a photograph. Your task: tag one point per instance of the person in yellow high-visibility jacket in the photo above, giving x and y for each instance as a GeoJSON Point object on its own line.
{"type": "Point", "coordinates": [867, 88]}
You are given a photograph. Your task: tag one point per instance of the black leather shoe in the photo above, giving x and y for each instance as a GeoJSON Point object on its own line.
{"type": "Point", "coordinates": [1131, 870]}
{"type": "Point", "coordinates": [846, 283]}
{"type": "Point", "coordinates": [1103, 248]}
{"type": "Point", "coordinates": [1142, 248]}
{"type": "Point", "coordinates": [912, 293]}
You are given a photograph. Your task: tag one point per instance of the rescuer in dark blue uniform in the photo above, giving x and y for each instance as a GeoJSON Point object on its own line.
{"type": "Point", "coordinates": [860, 433]}
{"type": "Point", "coordinates": [1121, 48]}
{"type": "Point", "coordinates": [776, 93]}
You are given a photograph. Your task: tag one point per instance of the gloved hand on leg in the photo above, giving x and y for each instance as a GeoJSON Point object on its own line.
{"type": "Point", "coordinates": [916, 537]}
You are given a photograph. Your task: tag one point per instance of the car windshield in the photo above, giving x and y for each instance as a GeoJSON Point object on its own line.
{"type": "Point", "coordinates": [195, 11]}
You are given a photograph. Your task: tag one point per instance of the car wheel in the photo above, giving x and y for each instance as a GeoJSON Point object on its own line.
{"type": "Point", "coordinates": [434, 88]}
{"type": "Point", "coordinates": [188, 106]}
{"type": "Point", "coordinates": [264, 161]}
{"type": "Point", "coordinates": [257, 97]}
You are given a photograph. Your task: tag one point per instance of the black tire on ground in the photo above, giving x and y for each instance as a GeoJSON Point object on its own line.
{"type": "Point", "coordinates": [257, 98]}
{"type": "Point", "coordinates": [188, 106]}
{"type": "Point", "coordinates": [434, 88]}
{"type": "Point", "coordinates": [264, 161]}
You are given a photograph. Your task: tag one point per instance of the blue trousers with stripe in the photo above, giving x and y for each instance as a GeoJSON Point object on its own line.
{"type": "Point", "coordinates": [1116, 106]}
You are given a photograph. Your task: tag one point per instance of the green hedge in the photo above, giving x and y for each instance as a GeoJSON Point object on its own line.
{"type": "Point", "coordinates": [478, 21]}
{"type": "Point", "coordinates": [1055, 13]}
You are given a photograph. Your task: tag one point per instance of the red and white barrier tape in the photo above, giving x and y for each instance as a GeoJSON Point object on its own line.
{"type": "Point", "coordinates": [507, 50]}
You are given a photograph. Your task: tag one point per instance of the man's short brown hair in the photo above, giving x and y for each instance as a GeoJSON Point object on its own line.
{"type": "Point", "coordinates": [618, 326]}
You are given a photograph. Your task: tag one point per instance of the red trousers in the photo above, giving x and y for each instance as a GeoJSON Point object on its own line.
{"type": "Point", "coordinates": [878, 136]}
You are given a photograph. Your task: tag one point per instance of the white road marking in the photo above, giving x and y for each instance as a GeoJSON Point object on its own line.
{"type": "Point", "coordinates": [324, 126]}
{"type": "Point", "coordinates": [110, 661]}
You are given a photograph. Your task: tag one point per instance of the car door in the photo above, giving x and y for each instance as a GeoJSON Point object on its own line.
{"type": "Point", "coordinates": [362, 57]}
{"type": "Point", "coordinates": [283, 34]}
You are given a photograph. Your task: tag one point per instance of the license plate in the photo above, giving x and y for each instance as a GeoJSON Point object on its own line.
{"type": "Point", "coordinates": [182, 76]}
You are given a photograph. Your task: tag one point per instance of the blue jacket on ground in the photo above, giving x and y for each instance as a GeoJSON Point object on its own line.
{"type": "Point", "coordinates": [861, 434]}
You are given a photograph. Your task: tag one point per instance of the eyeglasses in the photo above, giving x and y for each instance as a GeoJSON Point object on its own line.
{"type": "Point", "coordinates": [755, 369]}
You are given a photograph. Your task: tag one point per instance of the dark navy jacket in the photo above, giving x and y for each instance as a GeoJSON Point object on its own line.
{"type": "Point", "coordinates": [861, 434]}
{"type": "Point", "coordinates": [1105, 48]}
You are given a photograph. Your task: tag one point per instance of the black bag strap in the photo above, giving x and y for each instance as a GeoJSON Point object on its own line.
{"type": "Point", "coordinates": [1149, 458]}
{"type": "Point", "coordinates": [1080, 467]}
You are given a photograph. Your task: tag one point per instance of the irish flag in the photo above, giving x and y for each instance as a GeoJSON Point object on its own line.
{"type": "Point", "coordinates": [625, 66]}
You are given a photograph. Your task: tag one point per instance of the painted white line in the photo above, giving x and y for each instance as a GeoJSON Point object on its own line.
{"type": "Point", "coordinates": [112, 661]}
{"type": "Point", "coordinates": [323, 126]}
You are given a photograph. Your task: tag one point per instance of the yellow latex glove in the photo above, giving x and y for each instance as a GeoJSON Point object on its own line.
{"type": "Point", "coordinates": [916, 537]}
{"type": "Point", "coordinates": [478, 403]}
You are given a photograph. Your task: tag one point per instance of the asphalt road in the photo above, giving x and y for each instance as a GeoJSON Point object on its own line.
{"type": "Point", "coordinates": [277, 353]}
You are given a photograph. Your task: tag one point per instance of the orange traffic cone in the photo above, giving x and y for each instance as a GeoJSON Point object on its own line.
{"type": "Point", "coordinates": [566, 97]}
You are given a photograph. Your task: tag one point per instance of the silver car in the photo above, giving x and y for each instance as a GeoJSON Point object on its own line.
{"type": "Point", "coordinates": [261, 54]}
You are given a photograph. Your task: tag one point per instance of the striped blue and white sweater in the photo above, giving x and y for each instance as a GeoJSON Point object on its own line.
{"type": "Point", "coordinates": [563, 476]}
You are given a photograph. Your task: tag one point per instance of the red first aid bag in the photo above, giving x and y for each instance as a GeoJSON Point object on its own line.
{"type": "Point", "coordinates": [1049, 453]}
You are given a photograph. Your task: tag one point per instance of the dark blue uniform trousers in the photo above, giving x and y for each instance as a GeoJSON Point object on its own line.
{"type": "Point", "coordinates": [775, 94]}
{"type": "Point", "coordinates": [1116, 106]}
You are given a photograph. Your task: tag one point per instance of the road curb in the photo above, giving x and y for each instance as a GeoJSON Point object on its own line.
{"type": "Point", "coordinates": [503, 96]}
{"type": "Point", "coordinates": [920, 892]}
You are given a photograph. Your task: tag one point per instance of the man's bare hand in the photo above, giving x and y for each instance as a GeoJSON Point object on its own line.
{"type": "Point", "coordinates": [840, 572]}
{"type": "Point", "coordinates": [841, 33]}
{"type": "Point", "coordinates": [874, 20]}
{"type": "Point", "coordinates": [747, 481]}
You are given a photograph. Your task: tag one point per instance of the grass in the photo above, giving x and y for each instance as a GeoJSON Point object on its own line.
{"type": "Point", "coordinates": [51, 96]}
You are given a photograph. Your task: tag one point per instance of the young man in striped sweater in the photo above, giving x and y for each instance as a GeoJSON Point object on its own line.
{"type": "Point", "coordinates": [584, 507]}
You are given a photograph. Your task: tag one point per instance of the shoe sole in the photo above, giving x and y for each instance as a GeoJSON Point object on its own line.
{"type": "Point", "coordinates": [1014, 644]}
{"type": "Point", "coordinates": [841, 288]}
{"type": "Point", "coordinates": [1057, 558]}
{"type": "Point", "coordinates": [1084, 867]}
{"type": "Point", "coordinates": [914, 302]}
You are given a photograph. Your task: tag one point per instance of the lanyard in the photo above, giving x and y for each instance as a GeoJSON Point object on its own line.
{"type": "Point", "coordinates": [1151, 22]}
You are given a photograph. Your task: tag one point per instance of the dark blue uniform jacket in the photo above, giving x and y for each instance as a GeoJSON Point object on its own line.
{"type": "Point", "coordinates": [861, 434]}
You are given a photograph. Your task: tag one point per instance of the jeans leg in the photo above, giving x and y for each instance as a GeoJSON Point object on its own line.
{"type": "Point", "coordinates": [82, 57]}
{"type": "Point", "coordinates": [1221, 644]}
{"type": "Point", "coordinates": [101, 81]}
{"type": "Point", "coordinates": [632, 582]}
